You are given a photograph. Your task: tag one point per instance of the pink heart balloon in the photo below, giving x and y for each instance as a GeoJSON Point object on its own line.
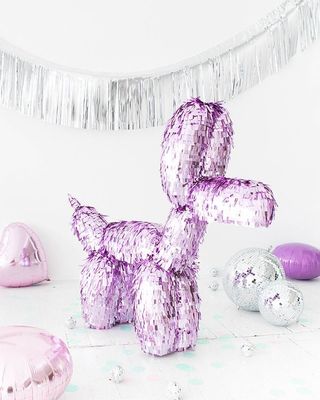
{"type": "Point", "coordinates": [34, 365]}
{"type": "Point", "coordinates": [22, 258]}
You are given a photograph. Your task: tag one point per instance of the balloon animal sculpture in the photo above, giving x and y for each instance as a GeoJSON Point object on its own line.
{"type": "Point", "coordinates": [145, 273]}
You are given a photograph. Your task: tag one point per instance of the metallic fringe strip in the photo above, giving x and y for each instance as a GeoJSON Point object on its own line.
{"type": "Point", "coordinates": [85, 101]}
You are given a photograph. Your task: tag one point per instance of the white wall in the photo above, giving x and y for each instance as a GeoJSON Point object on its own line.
{"type": "Point", "coordinates": [277, 141]}
{"type": "Point", "coordinates": [123, 36]}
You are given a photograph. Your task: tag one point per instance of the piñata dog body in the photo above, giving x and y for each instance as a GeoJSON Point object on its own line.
{"type": "Point", "coordinates": [145, 273]}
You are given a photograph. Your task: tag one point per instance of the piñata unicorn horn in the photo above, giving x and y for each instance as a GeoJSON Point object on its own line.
{"type": "Point", "coordinates": [146, 273]}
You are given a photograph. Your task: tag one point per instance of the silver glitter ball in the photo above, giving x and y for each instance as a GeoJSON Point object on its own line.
{"type": "Point", "coordinates": [281, 304]}
{"type": "Point", "coordinates": [214, 285]}
{"type": "Point", "coordinates": [247, 273]}
{"type": "Point", "coordinates": [214, 272]}
{"type": "Point", "coordinates": [247, 349]}
{"type": "Point", "coordinates": [174, 391]}
{"type": "Point", "coordinates": [71, 323]}
{"type": "Point", "coordinates": [116, 374]}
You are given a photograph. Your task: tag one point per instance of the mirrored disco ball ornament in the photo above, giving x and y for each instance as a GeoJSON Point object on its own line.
{"type": "Point", "coordinates": [247, 349]}
{"type": "Point", "coordinates": [281, 304]}
{"type": "Point", "coordinates": [247, 273]}
{"type": "Point", "coordinates": [214, 285]}
{"type": "Point", "coordinates": [214, 272]}
{"type": "Point", "coordinates": [117, 374]}
{"type": "Point", "coordinates": [71, 323]}
{"type": "Point", "coordinates": [174, 391]}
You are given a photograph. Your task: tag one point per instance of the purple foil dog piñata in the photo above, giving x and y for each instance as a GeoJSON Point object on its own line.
{"type": "Point", "coordinates": [146, 273]}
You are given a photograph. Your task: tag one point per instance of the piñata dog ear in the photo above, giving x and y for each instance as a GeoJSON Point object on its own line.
{"type": "Point", "coordinates": [233, 201]}
{"type": "Point", "coordinates": [196, 144]}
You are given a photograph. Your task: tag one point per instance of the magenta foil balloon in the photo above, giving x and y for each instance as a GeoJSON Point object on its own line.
{"type": "Point", "coordinates": [300, 261]}
{"type": "Point", "coordinates": [145, 273]}
{"type": "Point", "coordinates": [34, 365]}
{"type": "Point", "coordinates": [22, 258]}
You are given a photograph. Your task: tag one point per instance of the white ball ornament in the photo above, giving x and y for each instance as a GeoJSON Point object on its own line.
{"type": "Point", "coordinates": [247, 349]}
{"type": "Point", "coordinates": [71, 323]}
{"type": "Point", "coordinates": [117, 374]}
{"type": "Point", "coordinates": [174, 391]}
{"type": "Point", "coordinates": [214, 285]}
{"type": "Point", "coordinates": [214, 272]}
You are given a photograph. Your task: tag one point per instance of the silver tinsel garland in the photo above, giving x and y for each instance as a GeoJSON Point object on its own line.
{"type": "Point", "coordinates": [92, 101]}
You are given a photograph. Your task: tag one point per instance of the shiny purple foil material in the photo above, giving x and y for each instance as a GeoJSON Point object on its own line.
{"type": "Point", "coordinates": [299, 260]}
{"type": "Point", "coordinates": [233, 201]}
{"type": "Point", "coordinates": [197, 143]}
{"type": "Point", "coordinates": [146, 273]}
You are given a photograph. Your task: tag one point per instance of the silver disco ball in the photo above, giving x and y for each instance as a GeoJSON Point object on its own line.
{"type": "Point", "coordinates": [247, 273]}
{"type": "Point", "coordinates": [281, 304]}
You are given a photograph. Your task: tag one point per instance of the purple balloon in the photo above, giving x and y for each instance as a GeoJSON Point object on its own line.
{"type": "Point", "coordinates": [145, 273]}
{"type": "Point", "coordinates": [300, 261]}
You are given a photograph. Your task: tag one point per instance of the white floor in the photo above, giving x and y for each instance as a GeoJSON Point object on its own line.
{"type": "Point", "coordinates": [285, 364]}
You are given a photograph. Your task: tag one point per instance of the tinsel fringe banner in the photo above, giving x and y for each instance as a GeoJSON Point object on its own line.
{"type": "Point", "coordinates": [80, 100]}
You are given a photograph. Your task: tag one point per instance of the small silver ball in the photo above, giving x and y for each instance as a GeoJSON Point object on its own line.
{"type": "Point", "coordinates": [71, 323]}
{"type": "Point", "coordinates": [214, 285]}
{"type": "Point", "coordinates": [247, 349]}
{"type": "Point", "coordinates": [116, 374]}
{"type": "Point", "coordinates": [174, 391]}
{"type": "Point", "coordinates": [214, 272]}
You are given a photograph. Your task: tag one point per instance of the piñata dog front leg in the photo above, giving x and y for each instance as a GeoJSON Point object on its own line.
{"type": "Point", "coordinates": [154, 310]}
{"type": "Point", "coordinates": [166, 312]}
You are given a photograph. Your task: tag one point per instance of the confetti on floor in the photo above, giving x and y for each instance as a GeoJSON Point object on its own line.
{"type": "Point", "coordinates": [285, 363]}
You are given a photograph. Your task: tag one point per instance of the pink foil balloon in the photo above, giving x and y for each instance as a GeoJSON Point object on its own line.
{"type": "Point", "coordinates": [34, 365]}
{"type": "Point", "coordinates": [145, 273]}
{"type": "Point", "coordinates": [22, 258]}
{"type": "Point", "coordinates": [300, 261]}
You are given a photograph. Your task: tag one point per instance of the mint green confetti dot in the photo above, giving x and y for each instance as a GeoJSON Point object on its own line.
{"type": "Point", "coordinates": [304, 391]}
{"type": "Point", "coordinates": [217, 364]}
{"type": "Point", "coordinates": [297, 381]}
{"type": "Point", "coordinates": [261, 346]}
{"type": "Point", "coordinates": [227, 346]}
{"type": "Point", "coordinates": [225, 337]}
{"type": "Point", "coordinates": [217, 316]}
{"type": "Point", "coordinates": [203, 341]}
{"type": "Point", "coordinates": [109, 365]}
{"type": "Point", "coordinates": [128, 352]}
{"type": "Point", "coordinates": [277, 392]}
{"type": "Point", "coordinates": [188, 354]}
{"type": "Point", "coordinates": [195, 381]}
{"type": "Point", "coordinates": [72, 388]}
{"type": "Point", "coordinates": [138, 369]}
{"type": "Point", "coordinates": [126, 327]}
{"type": "Point", "coordinates": [185, 367]}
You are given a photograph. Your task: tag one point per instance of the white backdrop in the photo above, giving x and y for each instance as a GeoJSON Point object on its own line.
{"type": "Point", "coordinates": [277, 140]}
